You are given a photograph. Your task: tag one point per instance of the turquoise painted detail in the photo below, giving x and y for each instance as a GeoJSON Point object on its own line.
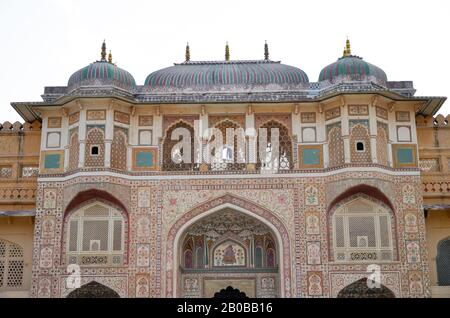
{"type": "Point", "coordinates": [311, 156]}
{"type": "Point", "coordinates": [405, 155]}
{"type": "Point", "coordinates": [52, 161]}
{"type": "Point", "coordinates": [144, 159]}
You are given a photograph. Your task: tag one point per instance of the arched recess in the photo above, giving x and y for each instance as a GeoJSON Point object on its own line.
{"type": "Point", "coordinates": [230, 155]}
{"type": "Point", "coordinates": [86, 199]}
{"type": "Point", "coordinates": [360, 289]}
{"type": "Point", "coordinates": [168, 144]}
{"type": "Point", "coordinates": [380, 208]}
{"type": "Point", "coordinates": [443, 262]}
{"type": "Point", "coordinates": [241, 205]}
{"type": "Point", "coordinates": [93, 290]}
{"type": "Point", "coordinates": [285, 159]}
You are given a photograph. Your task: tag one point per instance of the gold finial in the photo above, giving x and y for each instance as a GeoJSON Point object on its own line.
{"type": "Point", "coordinates": [227, 52]}
{"type": "Point", "coordinates": [103, 51]}
{"type": "Point", "coordinates": [110, 57]}
{"type": "Point", "coordinates": [347, 50]}
{"type": "Point", "coordinates": [266, 51]}
{"type": "Point", "coordinates": [188, 53]}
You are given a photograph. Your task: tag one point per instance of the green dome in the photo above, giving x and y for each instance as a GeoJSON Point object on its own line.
{"type": "Point", "coordinates": [352, 68]}
{"type": "Point", "coordinates": [226, 75]}
{"type": "Point", "coordinates": [102, 73]}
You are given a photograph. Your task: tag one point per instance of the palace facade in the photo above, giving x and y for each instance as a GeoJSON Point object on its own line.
{"type": "Point", "coordinates": [92, 191]}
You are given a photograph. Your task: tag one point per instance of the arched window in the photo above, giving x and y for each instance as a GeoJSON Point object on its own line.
{"type": "Point", "coordinates": [231, 156]}
{"type": "Point", "coordinates": [95, 146]}
{"type": "Point", "coordinates": [443, 262]}
{"type": "Point", "coordinates": [360, 144]}
{"type": "Point", "coordinates": [96, 235]}
{"type": "Point", "coordinates": [11, 265]}
{"type": "Point", "coordinates": [172, 159]}
{"type": "Point", "coordinates": [284, 160]}
{"type": "Point", "coordinates": [362, 231]}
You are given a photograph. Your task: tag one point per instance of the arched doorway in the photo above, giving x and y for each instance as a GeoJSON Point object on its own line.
{"type": "Point", "coordinates": [93, 290]}
{"type": "Point", "coordinates": [228, 250]}
{"type": "Point", "coordinates": [360, 289]}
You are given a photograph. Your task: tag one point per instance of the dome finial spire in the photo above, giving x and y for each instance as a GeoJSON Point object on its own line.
{"type": "Point", "coordinates": [227, 52]}
{"type": "Point", "coordinates": [188, 53]}
{"type": "Point", "coordinates": [266, 51]}
{"type": "Point", "coordinates": [347, 50]}
{"type": "Point", "coordinates": [103, 55]}
{"type": "Point", "coordinates": [110, 57]}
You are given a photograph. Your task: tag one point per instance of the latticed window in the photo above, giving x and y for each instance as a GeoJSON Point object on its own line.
{"type": "Point", "coordinates": [74, 149]}
{"type": "Point", "coordinates": [362, 232]}
{"type": "Point", "coordinates": [5, 172]}
{"type": "Point", "coordinates": [119, 149]}
{"type": "Point", "coordinates": [95, 236]}
{"type": "Point", "coordinates": [443, 262]}
{"type": "Point", "coordinates": [30, 171]}
{"type": "Point", "coordinates": [284, 159]}
{"type": "Point", "coordinates": [232, 155]}
{"type": "Point", "coordinates": [173, 156]}
{"type": "Point", "coordinates": [11, 265]}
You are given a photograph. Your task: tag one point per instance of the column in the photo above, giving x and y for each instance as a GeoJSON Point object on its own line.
{"type": "Point", "coordinates": [109, 135]}
{"type": "Point", "coordinates": [345, 134]}
{"type": "Point", "coordinates": [373, 133]}
{"type": "Point", "coordinates": [65, 142]}
{"type": "Point", "coordinates": [251, 134]}
{"type": "Point", "coordinates": [82, 136]}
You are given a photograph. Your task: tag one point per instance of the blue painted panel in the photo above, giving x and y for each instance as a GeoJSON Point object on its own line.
{"type": "Point", "coordinates": [405, 155]}
{"type": "Point", "coordinates": [311, 156]}
{"type": "Point", "coordinates": [52, 161]}
{"type": "Point", "coordinates": [144, 159]}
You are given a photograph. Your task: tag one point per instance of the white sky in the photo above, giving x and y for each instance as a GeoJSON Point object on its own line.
{"type": "Point", "coordinates": [44, 42]}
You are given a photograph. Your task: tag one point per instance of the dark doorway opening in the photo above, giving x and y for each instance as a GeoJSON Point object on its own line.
{"type": "Point", "coordinates": [360, 289]}
{"type": "Point", "coordinates": [93, 290]}
{"type": "Point", "coordinates": [230, 292]}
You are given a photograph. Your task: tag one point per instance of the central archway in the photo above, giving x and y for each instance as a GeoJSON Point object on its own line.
{"type": "Point", "coordinates": [226, 248]}
{"type": "Point", "coordinates": [239, 205]}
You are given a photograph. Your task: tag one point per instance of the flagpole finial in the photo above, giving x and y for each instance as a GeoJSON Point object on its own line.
{"type": "Point", "coordinates": [187, 53]}
{"type": "Point", "coordinates": [347, 50]}
{"type": "Point", "coordinates": [266, 51]}
{"type": "Point", "coordinates": [103, 54]}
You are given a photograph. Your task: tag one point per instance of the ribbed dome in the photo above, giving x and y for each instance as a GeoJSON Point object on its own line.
{"type": "Point", "coordinates": [225, 75]}
{"type": "Point", "coordinates": [102, 73]}
{"type": "Point", "coordinates": [352, 68]}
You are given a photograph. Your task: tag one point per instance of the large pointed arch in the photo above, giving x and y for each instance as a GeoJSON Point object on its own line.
{"type": "Point", "coordinates": [364, 192]}
{"type": "Point", "coordinates": [85, 198]}
{"type": "Point", "coordinates": [241, 205]}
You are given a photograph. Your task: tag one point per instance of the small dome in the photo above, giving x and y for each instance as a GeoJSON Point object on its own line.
{"type": "Point", "coordinates": [227, 75]}
{"type": "Point", "coordinates": [352, 68]}
{"type": "Point", "coordinates": [102, 73]}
